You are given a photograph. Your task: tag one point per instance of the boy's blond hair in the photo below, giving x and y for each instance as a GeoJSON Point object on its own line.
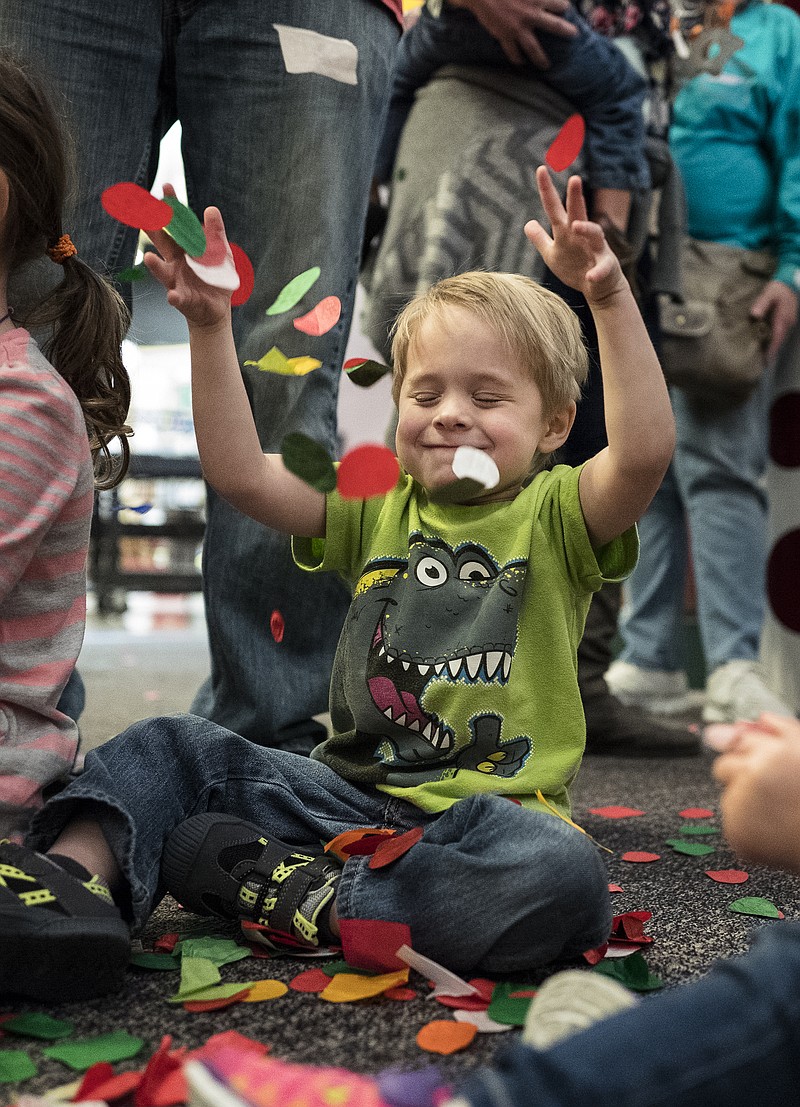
{"type": "Point", "coordinates": [536, 325]}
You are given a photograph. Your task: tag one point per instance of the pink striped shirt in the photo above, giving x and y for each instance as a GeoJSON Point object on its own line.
{"type": "Point", "coordinates": [46, 495]}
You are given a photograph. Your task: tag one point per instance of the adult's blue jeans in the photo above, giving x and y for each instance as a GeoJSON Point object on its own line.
{"type": "Point", "coordinates": [490, 886]}
{"type": "Point", "coordinates": [732, 1038]}
{"type": "Point", "coordinates": [288, 158]}
{"type": "Point", "coordinates": [715, 484]}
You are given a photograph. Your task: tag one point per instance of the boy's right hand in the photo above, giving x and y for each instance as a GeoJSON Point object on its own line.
{"type": "Point", "coordinates": [202, 304]}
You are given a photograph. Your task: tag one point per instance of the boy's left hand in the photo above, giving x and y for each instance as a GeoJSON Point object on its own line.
{"type": "Point", "coordinates": [577, 252]}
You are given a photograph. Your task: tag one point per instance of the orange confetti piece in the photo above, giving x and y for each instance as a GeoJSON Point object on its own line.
{"type": "Point", "coordinates": [322, 318]}
{"type": "Point", "coordinates": [445, 1037]}
{"type": "Point", "coordinates": [640, 856]}
{"type": "Point", "coordinates": [566, 146]}
{"type": "Point", "coordinates": [337, 845]}
{"type": "Point", "coordinates": [389, 851]}
{"type": "Point", "coordinates": [265, 989]}
{"type": "Point", "coordinates": [348, 987]}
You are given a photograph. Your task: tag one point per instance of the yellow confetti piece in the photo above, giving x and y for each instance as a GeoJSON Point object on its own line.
{"type": "Point", "coordinates": [265, 989]}
{"type": "Point", "coordinates": [274, 361]}
{"type": "Point", "coordinates": [346, 987]}
{"type": "Point", "coordinates": [302, 365]}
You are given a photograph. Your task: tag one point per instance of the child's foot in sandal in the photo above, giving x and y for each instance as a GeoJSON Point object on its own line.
{"type": "Point", "coordinates": [220, 865]}
{"type": "Point", "coordinates": [61, 937]}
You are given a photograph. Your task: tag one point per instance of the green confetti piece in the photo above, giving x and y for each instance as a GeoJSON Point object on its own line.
{"type": "Point", "coordinates": [185, 228]}
{"type": "Point", "coordinates": [15, 1065]}
{"type": "Point", "coordinates": [755, 905]}
{"type": "Point", "coordinates": [504, 1009]}
{"type": "Point", "coordinates": [219, 951]}
{"type": "Point", "coordinates": [159, 962]}
{"type": "Point", "coordinates": [330, 968]}
{"type": "Point", "coordinates": [632, 971]}
{"type": "Point", "coordinates": [699, 829]}
{"type": "Point", "coordinates": [135, 273]}
{"type": "Point", "coordinates": [36, 1024]}
{"type": "Point", "coordinates": [694, 849]}
{"type": "Point", "coordinates": [196, 973]}
{"type": "Point", "coordinates": [366, 372]}
{"type": "Point", "coordinates": [81, 1053]}
{"type": "Point", "coordinates": [310, 461]}
{"type": "Point", "coordinates": [215, 991]}
{"type": "Point", "coordinates": [294, 291]}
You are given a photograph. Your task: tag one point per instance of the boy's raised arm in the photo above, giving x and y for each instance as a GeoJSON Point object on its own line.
{"type": "Point", "coordinates": [233, 462]}
{"type": "Point", "coordinates": [618, 483]}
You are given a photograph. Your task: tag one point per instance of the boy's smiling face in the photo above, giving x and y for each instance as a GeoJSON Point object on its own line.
{"type": "Point", "coordinates": [463, 387]}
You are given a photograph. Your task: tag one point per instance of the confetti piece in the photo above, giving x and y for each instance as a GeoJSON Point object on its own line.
{"type": "Point", "coordinates": [229, 1039]}
{"type": "Point", "coordinates": [265, 989]}
{"type": "Point", "coordinates": [632, 972]}
{"type": "Point", "coordinates": [445, 1036]}
{"type": "Point", "coordinates": [629, 927]}
{"type": "Point", "coordinates": [400, 993]}
{"type": "Point", "coordinates": [566, 146]}
{"type": "Point", "coordinates": [305, 51]}
{"type": "Point", "coordinates": [693, 849]}
{"type": "Point", "coordinates": [133, 273]}
{"type": "Point", "coordinates": [294, 291]}
{"type": "Point", "coordinates": [470, 463]}
{"type": "Point", "coordinates": [701, 829]}
{"type": "Point", "coordinates": [696, 813]}
{"type": "Point", "coordinates": [220, 951]}
{"type": "Point", "coordinates": [374, 944]}
{"type": "Point", "coordinates": [244, 267]}
{"type": "Point", "coordinates": [36, 1024]}
{"type": "Point", "coordinates": [364, 372]}
{"type": "Point", "coordinates": [222, 275]}
{"type": "Point", "coordinates": [81, 1053]}
{"type": "Point", "coordinates": [300, 366]}
{"type": "Point", "coordinates": [390, 851]}
{"type": "Point", "coordinates": [614, 888]}
{"type": "Point", "coordinates": [185, 228]}
{"type": "Point", "coordinates": [504, 1009]}
{"type": "Point", "coordinates": [338, 846]}
{"type": "Point", "coordinates": [640, 856]}
{"type": "Point", "coordinates": [728, 876]}
{"type": "Point", "coordinates": [15, 1064]}
{"type": "Point", "coordinates": [100, 1082]}
{"type": "Point", "coordinates": [197, 974]}
{"type": "Point", "coordinates": [309, 460]}
{"type": "Point", "coordinates": [157, 962]}
{"type": "Point", "coordinates": [312, 980]}
{"type": "Point", "coordinates": [134, 206]}
{"type": "Point", "coordinates": [367, 471]}
{"type": "Point", "coordinates": [481, 1021]}
{"type": "Point", "coordinates": [615, 812]}
{"type": "Point", "coordinates": [163, 1083]}
{"type": "Point", "coordinates": [409, 1089]}
{"type": "Point", "coordinates": [330, 968]}
{"type": "Point", "coordinates": [756, 905]}
{"type": "Point", "coordinates": [445, 982]}
{"type": "Point", "coordinates": [321, 318]}
{"type": "Point", "coordinates": [277, 626]}
{"type": "Point", "coordinates": [596, 955]}
{"type": "Point", "coordinates": [226, 996]}
{"type": "Point", "coordinates": [274, 361]}
{"type": "Point", "coordinates": [348, 987]}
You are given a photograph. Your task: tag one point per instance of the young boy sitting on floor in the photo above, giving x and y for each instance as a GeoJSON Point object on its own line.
{"type": "Point", "coordinates": [454, 689]}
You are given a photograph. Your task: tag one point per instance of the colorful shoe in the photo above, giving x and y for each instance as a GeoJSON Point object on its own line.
{"type": "Point", "coordinates": [61, 938]}
{"type": "Point", "coordinates": [220, 865]}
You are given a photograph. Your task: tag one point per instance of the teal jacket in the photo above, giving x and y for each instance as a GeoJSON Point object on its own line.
{"type": "Point", "coordinates": [736, 140]}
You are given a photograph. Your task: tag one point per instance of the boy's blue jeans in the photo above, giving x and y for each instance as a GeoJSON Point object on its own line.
{"type": "Point", "coordinates": [733, 1038]}
{"type": "Point", "coordinates": [590, 71]}
{"type": "Point", "coordinates": [490, 886]}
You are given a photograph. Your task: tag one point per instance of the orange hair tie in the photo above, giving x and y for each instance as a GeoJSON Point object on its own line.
{"type": "Point", "coordinates": [62, 249]}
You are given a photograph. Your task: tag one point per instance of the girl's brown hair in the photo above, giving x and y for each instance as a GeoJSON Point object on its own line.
{"type": "Point", "coordinates": [86, 316]}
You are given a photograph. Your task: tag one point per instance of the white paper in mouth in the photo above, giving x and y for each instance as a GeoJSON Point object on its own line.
{"type": "Point", "coordinates": [476, 465]}
{"type": "Point", "coordinates": [223, 275]}
{"type": "Point", "coordinates": [307, 51]}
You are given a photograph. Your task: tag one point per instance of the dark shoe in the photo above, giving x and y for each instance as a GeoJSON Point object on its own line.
{"type": "Point", "coordinates": [219, 865]}
{"type": "Point", "coordinates": [614, 728]}
{"type": "Point", "coordinates": [61, 938]}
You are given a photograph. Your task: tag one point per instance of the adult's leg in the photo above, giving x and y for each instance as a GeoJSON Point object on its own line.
{"type": "Point", "coordinates": [732, 1038]}
{"type": "Point", "coordinates": [288, 158]}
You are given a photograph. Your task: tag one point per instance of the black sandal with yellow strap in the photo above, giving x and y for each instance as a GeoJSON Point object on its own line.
{"type": "Point", "coordinates": [61, 938]}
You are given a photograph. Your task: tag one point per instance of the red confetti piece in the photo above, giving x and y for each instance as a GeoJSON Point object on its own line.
{"type": "Point", "coordinates": [389, 851]}
{"type": "Point", "coordinates": [166, 943]}
{"type": "Point", "coordinates": [524, 993]}
{"type": "Point", "coordinates": [134, 206]}
{"type": "Point", "coordinates": [614, 812]}
{"type": "Point", "coordinates": [464, 1003]}
{"type": "Point", "coordinates": [261, 953]}
{"type": "Point", "coordinates": [372, 944]}
{"type": "Point", "coordinates": [163, 1083]}
{"type": "Point", "coordinates": [364, 847]}
{"type": "Point", "coordinates": [367, 471]}
{"type": "Point", "coordinates": [244, 267]}
{"type": "Point", "coordinates": [628, 928]}
{"type": "Point", "coordinates": [322, 318]}
{"type": "Point", "coordinates": [277, 626]}
{"type": "Point", "coordinates": [400, 993]}
{"type": "Point", "coordinates": [728, 876]}
{"type": "Point", "coordinates": [566, 146]}
{"type": "Point", "coordinates": [101, 1084]}
{"type": "Point", "coordinates": [199, 1005]}
{"type": "Point", "coordinates": [696, 813]}
{"type": "Point", "coordinates": [614, 888]}
{"type": "Point", "coordinates": [595, 956]}
{"type": "Point", "coordinates": [312, 980]}
{"type": "Point", "coordinates": [640, 856]}
{"type": "Point", "coordinates": [352, 362]}
{"type": "Point", "coordinates": [230, 1039]}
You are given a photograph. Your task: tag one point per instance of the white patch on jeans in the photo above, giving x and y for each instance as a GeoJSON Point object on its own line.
{"type": "Point", "coordinates": [310, 52]}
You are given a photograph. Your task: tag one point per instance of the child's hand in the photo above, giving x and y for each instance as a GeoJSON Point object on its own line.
{"type": "Point", "coordinates": [202, 304]}
{"type": "Point", "coordinates": [577, 253]}
{"type": "Point", "coordinates": [760, 775]}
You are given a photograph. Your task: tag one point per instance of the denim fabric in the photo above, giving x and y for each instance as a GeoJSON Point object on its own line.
{"type": "Point", "coordinates": [288, 158]}
{"type": "Point", "coordinates": [589, 70]}
{"type": "Point", "coordinates": [716, 485]}
{"type": "Point", "coordinates": [732, 1038]}
{"type": "Point", "coordinates": [491, 886]}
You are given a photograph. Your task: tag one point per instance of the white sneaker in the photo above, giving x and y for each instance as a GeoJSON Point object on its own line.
{"type": "Point", "coordinates": [737, 690]}
{"type": "Point", "coordinates": [659, 691]}
{"type": "Point", "coordinates": [570, 1001]}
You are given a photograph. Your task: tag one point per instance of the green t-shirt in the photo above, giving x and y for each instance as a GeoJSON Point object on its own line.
{"type": "Point", "coordinates": [456, 669]}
